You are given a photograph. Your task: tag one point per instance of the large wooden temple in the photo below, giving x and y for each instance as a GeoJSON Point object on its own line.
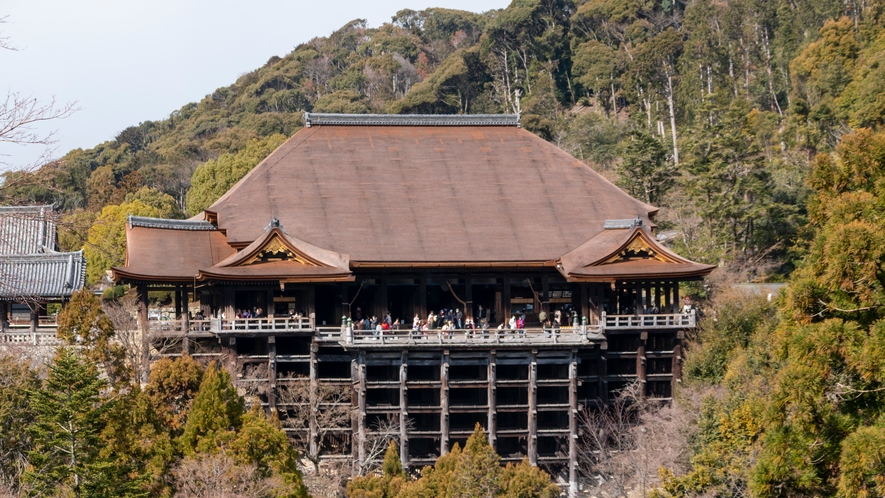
{"type": "Point", "coordinates": [364, 215]}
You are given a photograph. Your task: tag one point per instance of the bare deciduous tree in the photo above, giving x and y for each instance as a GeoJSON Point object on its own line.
{"type": "Point", "coordinates": [218, 476]}
{"type": "Point", "coordinates": [622, 446]}
{"type": "Point", "coordinates": [314, 417]}
{"type": "Point", "coordinates": [20, 116]}
{"type": "Point", "coordinates": [378, 438]}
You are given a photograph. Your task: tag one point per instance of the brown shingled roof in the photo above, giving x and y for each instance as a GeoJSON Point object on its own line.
{"type": "Point", "coordinates": [613, 254]}
{"type": "Point", "coordinates": [171, 254]}
{"type": "Point", "coordinates": [425, 194]}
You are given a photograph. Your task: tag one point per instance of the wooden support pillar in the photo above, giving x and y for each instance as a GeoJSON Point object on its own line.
{"type": "Point", "coordinates": [272, 372]}
{"type": "Point", "coordinates": [4, 315]}
{"type": "Point", "coordinates": [677, 306]}
{"type": "Point", "coordinates": [468, 298]}
{"type": "Point", "coordinates": [35, 318]}
{"type": "Point", "coordinates": [444, 405]}
{"type": "Point", "coordinates": [584, 297]}
{"type": "Point", "coordinates": [533, 410]}
{"type": "Point", "coordinates": [178, 301]}
{"type": "Point", "coordinates": [545, 294]}
{"type": "Point", "coordinates": [677, 363]}
{"type": "Point", "coordinates": [142, 296]}
{"type": "Point", "coordinates": [573, 426]}
{"type": "Point", "coordinates": [504, 314]}
{"type": "Point", "coordinates": [403, 411]}
{"type": "Point", "coordinates": [381, 304]}
{"type": "Point", "coordinates": [640, 363]}
{"type": "Point", "coordinates": [310, 301]}
{"type": "Point", "coordinates": [229, 303]}
{"type": "Point", "coordinates": [345, 302]}
{"type": "Point", "coordinates": [269, 310]}
{"type": "Point", "coordinates": [313, 447]}
{"type": "Point", "coordinates": [422, 298]}
{"type": "Point", "coordinates": [637, 297]}
{"type": "Point", "coordinates": [493, 400]}
{"type": "Point", "coordinates": [186, 321]}
{"type": "Point", "coordinates": [361, 409]}
{"type": "Point", "coordinates": [659, 296]}
{"type": "Point", "coordinates": [602, 372]}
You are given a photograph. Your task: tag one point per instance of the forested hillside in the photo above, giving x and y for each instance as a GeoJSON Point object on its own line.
{"type": "Point", "coordinates": [755, 124]}
{"type": "Point", "coordinates": [713, 110]}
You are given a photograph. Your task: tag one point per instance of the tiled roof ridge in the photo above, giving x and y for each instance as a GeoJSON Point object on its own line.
{"type": "Point", "coordinates": [41, 256]}
{"type": "Point", "coordinates": [27, 209]}
{"type": "Point", "coordinates": [146, 222]}
{"type": "Point", "coordinates": [315, 119]}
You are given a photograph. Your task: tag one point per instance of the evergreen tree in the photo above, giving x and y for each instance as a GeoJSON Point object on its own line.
{"type": "Point", "coordinates": [172, 386]}
{"type": "Point", "coordinates": [645, 172]}
{"type": "Point", "coordinates": [66, 432]}
{"type": "Point", "coordinates": [478, 468]}
{"type": "Point", "coordinates": [215, 414]}
{"type": "Point", "coordinates": [137, 442]}
{"type": "Point", "coordinates": [83, 323]}
{"type": "Point", "coordinates": [526, 481]}
{"type": "Point", "coordinates": [262, 442]}
{"type": "Point", "coordinates": [17, 380]}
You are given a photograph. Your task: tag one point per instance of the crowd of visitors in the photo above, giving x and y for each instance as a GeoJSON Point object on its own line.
{"type": "Point", "coordinates": [448, 321]}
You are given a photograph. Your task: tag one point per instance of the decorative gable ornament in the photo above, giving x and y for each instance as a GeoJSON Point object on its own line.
{"type": "Point", "coordinates": [277, 250]}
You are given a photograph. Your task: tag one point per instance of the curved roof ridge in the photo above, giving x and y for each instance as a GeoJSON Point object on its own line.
{"type": "Point", "coordinates": [333, 119]}
{"type": "Point", "coordinates": [171, 224]}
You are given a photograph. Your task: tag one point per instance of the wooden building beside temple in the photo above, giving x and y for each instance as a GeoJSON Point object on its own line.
{"type": "Point", "coordinates": [370, 214]}
{"type": "Point", "coordinates": [33, 274]}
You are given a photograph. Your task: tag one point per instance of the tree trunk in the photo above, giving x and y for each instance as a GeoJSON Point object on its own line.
{"type": "Point", "coordinates": [672, 117]}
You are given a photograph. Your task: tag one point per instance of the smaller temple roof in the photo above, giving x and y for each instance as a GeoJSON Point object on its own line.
{"type": "Point", "coordinates": [183, 250]}
{"type": "Point", "coordinates": [278, 255]}
{"type": "Point", "coordinates": [27, 229]}
{"type": "Point", "coordinates": [52, 275]}
{"type": "Point", "coordinates": [627, 251]}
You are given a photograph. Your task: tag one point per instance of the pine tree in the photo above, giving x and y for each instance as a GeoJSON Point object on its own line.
{"type": "Point", "coordinates": [68, 421]}
{"type": "Point", "coordinates": [478, 469]}
{"type": "Point", "coordinates": [215, 415]}
{"type": "Point", "coordinates": [138, 443]}
{"type": "Point", "coordinates": [262, 442]}
{"type": "Point", "coordinates": [526, 481]}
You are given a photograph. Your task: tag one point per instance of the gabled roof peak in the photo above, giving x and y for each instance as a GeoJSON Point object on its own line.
{"type": "Point", "coordinates": [319, 119]}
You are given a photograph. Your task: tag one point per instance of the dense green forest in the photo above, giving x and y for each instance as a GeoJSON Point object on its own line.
{"type": "Point", "coordinates": [754, 124]}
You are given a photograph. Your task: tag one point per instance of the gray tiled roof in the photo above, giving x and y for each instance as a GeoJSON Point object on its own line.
{"type": "Point", "coordinates": [143, 221]}
{"type": "Point", "coordinates": [315, 119]}
{"type": "Point", "coordinates": [26, 229]}
{"type": "Point", "coordinates": [51, 275]}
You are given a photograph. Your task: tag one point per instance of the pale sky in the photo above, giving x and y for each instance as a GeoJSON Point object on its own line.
{"type": "Point", "coordinates": [129, 61]}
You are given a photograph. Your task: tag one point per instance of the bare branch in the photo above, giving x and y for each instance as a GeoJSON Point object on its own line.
{"type": "Point", "coordinates": [4, 40]}
{"type": "Point", "coordinates": [19, 114]}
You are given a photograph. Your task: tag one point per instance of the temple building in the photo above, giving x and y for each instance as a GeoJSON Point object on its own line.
{"type": "Point", "coordinates": [33, 274]}
{"type": "Point", "coordinates": [358, 216]}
